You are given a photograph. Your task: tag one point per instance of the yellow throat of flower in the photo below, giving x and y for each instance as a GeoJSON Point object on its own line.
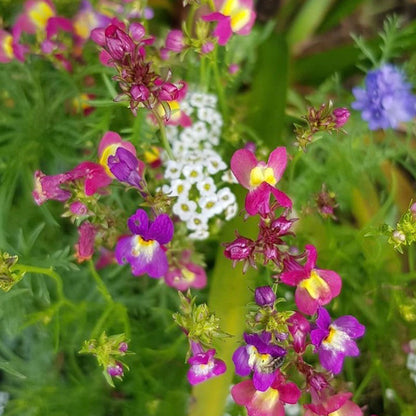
{"type": "Point", "coordinates": [315, 285]}
{"type": "Point", "coordinates": [261, 174]}
{"type": "Point", "coordinates": [40, 14]}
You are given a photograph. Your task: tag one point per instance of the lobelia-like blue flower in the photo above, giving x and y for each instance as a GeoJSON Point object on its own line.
{"type": "Point", "coordinates": [386, 100]}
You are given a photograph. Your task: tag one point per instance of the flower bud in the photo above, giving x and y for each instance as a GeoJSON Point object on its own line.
{"type": "Point", "coordinates": [118, 42]}
{"type": "Point", "coordinates": [78, 208]}
{"type": "Point", "coordinates": [84, 249]}
{"type": "Point", "coordinates": [207, 48]}
{"type": "Point", "coordinates": [264, 296]}
{"type": "Point", "coordinates": [139, 93]}
{"type": "Point", "coordinates": [299, 328]}
{"type": "Point", "coordinates": [115, 370]}
{"type": "Point", "coordinates": [341, 116]}
{"type": "Point", "coordinates": [240, 249]}
{"type": "Point", "coordinates": [123, 347]}
{"type": "Point", "coordinates": [175, 41]}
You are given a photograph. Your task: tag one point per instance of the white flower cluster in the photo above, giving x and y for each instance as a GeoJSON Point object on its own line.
{"type": "Point", "coordinates": [191, 174]}
{"type": "Point", "coordinates": [411, 360]}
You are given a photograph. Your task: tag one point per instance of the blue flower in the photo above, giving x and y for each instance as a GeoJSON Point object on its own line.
{"type": "Point", "coordinates": [386, 100]}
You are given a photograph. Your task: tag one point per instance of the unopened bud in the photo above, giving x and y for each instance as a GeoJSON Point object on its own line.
{"type": "Point", "coordinates": [264, 296]}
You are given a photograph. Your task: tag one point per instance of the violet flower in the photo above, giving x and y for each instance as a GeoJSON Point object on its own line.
{"type": "Point", "coordinates": [386, 100]}
{"type": "Point", "coordinates": [203, 365]}
{"type": "Point", "coordinates": [260, 179]}
{"type": "Point", "coordinates": [125, 167]}
{"type": "Point", "coordinates": [233, 16]}
{"type": "Point", "coordinates": [115, 370]}
{"type": "Point", "coordinates": [259, 356]}
{"type": "Point", "coordinates": [88, 19]}
{"type": "Point", "coordinates": [269, 402]}
{"type": "Point", "coordinates": [264, 296]}
{"type": "Point", "coordinates": [315, 287]}
{"type": "Point", "coordinates": [334, 341]}
{"type": "Point", "coordinates": [144, 250]}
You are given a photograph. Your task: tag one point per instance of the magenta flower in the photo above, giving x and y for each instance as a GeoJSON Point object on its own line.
{"type": "Point", "coordinates": [84, 249]}
{"type": "Point", "coordinates": [259, 356]}
{"type": "Point", "coordinates": [88, 19]}
{"type": "Point", "coordinates": [174, 42]}
{"type": "Point", "coordinates": [260, 179]}
{"type": "Point", "coordinates": [315, 287]}
{"type": "Point", "coordinates": [269, 402]}
{"type": "Point", "coordinates": [144, 250]}
{"type": "Point", "coordinates": [339, 405]}
{"type": "Point", "coordinates": [35, 16]}
{"type": "Point", "coordinates": [203, 365]}
{"type": "Point", "coordinates": [334, 341]}
{"type": "Point", "coordinates": [49, 187]}
{"type": "Point", "coordinates": [241, 249]}
{"type": "Point", "coordinates": [233, 16]}
{"type": "Point", "coordinates": [186, 274]}
{"type": "Point", "coordinates": [93, 175]}
{"type": "Point", "coordinates": [299, 328]}
{"type": "Point", "coordinates": [115, 370]}
{"type": "Point", "coordinates": [341, 115]}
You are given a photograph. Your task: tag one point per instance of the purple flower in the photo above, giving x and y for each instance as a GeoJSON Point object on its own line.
{"type": "Point", "coordinates": [203, 365]}
{"type": "Point", "coordinates": [259, 356]}
{"type": "Point", "coordinates": [125, 167]}
{"type": "Point", "coordinates": [144, 250]}
{"type": "Point", "coordinates": [341, 116]}
{"type": "Point", "coordinates": [334, 341]}
{"type": "Point", "coordinates": [386, 100]}
{"type": "Point", "coordinates": [264, 296]}
{"type": "Point", "coordinates": [123, 347]}
{"type": "Point", "coordinates": [115, 370]}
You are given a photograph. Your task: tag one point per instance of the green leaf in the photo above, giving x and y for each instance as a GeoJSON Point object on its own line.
{"type": "Point", "coordinates": [5, 366]}
{"type": "Point", "coordinates": [267, 98]}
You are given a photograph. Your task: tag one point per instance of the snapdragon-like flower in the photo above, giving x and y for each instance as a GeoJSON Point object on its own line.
{"type": "Point", "coordinates": [203, 364]}
{"type": "Point", "coordinates": [315, 287]}
{"type": "Point", "coordinates": [386, 100]}
{"type": "Point", "coordinates": [144, 250]}
{"type": "Point", "coordinates": [299, 328]}
{"type": "Point", "coordinates": [233, 16]}
{"type": "Point", "coordinates": [260, 179]}
{"type": "Point", "coordinates": [186, 274]}
{"type": "Point", "coordinates": [9, 49]}
{"type": "Point", "coordinates": [35, 16]}
{"type": "Point", "coordinates": [84, 249]}
{"type": "Point", "coordinates": [259, 356]}
{"type": "Point", "coordinates": [338, 405]}
{"type": "Point", "coordinates": [269, 402]}
{"type": "Point", "coordinates": [335, 340]}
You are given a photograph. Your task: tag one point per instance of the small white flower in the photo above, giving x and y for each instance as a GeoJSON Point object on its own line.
{"type": "Point", "coordinates": [411, 362]}
{"type": "Point", "coordinates": [184, 208]}
{"type": "Point", "coordinates": [390, 394]}
{"type": "Point", "coordinates": [180, 188]}
{"type": "Point", "coordinates": [206, 186]}
{"type": "Point", "coordinates": [226, 197]}
{"type": "Point", "coordinates": [209, 205]}
{"type": "Point", "coordinates": [216, 120]}
{"type": "Point", "coordinates": [231, 211]}
{"type": "Point", "coordinates": [206, 114]}
{"type": "Point", "coordinates": [215, 164]}
{"type": "Point", "coordinates": [193, 172]}
{"type": "Point", "coordinates": [211, 100]}
{"type": "Point", "coordinates": [166, 189]}
{"type": "Point", "coordinates": [197, 99]}
{"type": "Point", "coordinates": [213, 139]}
{"type": "Point", "coordinates": [186, 108]}
{"type": "Point", "coordinates": [179, 149]}
{"type": "Point", "coordinates": [200, 234]}
{"type": "Point", "coordinates": [228, 176]}
{"type": "Point", "coordinates": [188, 136]}
{"type": "Point", "coordinates": [197, 221]}
{"type": "Point", "coordinates": [173, 169]}
{"type": "Point", "coordinates": [199, 130]}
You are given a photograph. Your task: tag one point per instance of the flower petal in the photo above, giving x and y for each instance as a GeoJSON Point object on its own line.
{"type": "Point", "coordinates": [242, 162]}
{"type": "Point", "coordinates": [277, 161]}
{"type": "Point", "coordinates": [161, 229]}
{"type": "Point", "coordinates": [139, 222]}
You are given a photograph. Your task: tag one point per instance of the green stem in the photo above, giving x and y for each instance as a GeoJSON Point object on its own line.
{"type": "Point", "coordinates": [366, 380]}
{"type": "Point", "coordinates": [220, 88]}
{"type": "Point", "coordinates": [410, 259]}
{"type": "Point", "coordinates": [100, 323]}
{"type": "Point", "coordinates": [163, 136]}
{"type": "Point", "coordinates": [102, 288]}
{"type": "Point", "coordinates": [47, 272]}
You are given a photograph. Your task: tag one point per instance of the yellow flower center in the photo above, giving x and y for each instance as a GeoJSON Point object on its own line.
{"type": "Point", "coordinates": [261, 174]}
{"type": "Point", "coordinates": [266, 400]}
{"type": "Point", "coordinates": [151, 155]}
{"type": "Point", "coordinates": [239, 15]}
{"type": "Point", "coordinates": [188, 275]}
{"type": "Point", "coordinates": [145, 247]}
{"type": "Point", "coordinates": [40, 14]}
{"type": "Point", "coordinates": [315, 285]}
{"type": "Point", "coordinates": [8, 46]}
{"type": "Point", "coordinates": [83, 25]}
{"type": "Point", "coordinates": [108, 151]}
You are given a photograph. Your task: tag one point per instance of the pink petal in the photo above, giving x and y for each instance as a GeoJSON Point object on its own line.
{"type": "Point", "coordinates": [333, 279]}
{"type": "Point", "coordinates": [281, 197]}
{"type": "Point", "coordinates": [289, 393]}
{"type": "Point", "coordinates": [305, 303]}
{"type": "Point", "coordinates": [312, 256]}
{"type": "Point", "coordinates": [242, 162]}
{"type": "Point", "coordinates": [277, 161]}
{"type": "Point", "coordinates": [108, 139]}
{"type": "Point", "coordinates": [293, 278]}
{"type": "Point", "coordinates": [257, 200]}
{"type": "Point", "coordinates": [243, 392]}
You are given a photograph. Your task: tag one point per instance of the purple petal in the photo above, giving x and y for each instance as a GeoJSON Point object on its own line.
{"type": "Point", "coordinates": [139, 222]}
{"type": "Point", "coordinates": [318, 335]}
{"type": "Point", "coordinates": [161, 229]}
{"type": "Point", "coordinates": [123, 250]}
{"type": "Point", "coordinates": [158, 265]}
{"type": "Point", "coordinates": [324, 319]}
{"type": "Point", "coordinates": [262, 381]}
{"type": "Point", "coordinates": [240, 359]}
{"type": "Point", "coordinates": [350, 325]}
{"type": "Point", "coordinates": [331, 360]}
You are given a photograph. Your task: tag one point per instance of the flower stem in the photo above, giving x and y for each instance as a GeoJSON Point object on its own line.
{"type": "Point", "coordinates": [163, 136]}
{"type": "Point", "coordinates": [220, 88]}
{"type": "Point", "coordinates": [102, 288]}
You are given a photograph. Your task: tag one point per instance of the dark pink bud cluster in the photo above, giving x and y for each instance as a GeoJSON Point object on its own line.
{"type": "Point", "coordinates": [139, 83]}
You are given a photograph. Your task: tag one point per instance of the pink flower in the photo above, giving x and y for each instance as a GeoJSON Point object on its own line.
{"type": "Point", "coordinates": [93, 175]}
{"type": "Point", "coordinates": [338, 405]}
{"type": "Point", "coordinates": [186, 274]}
{"type": "Point", "coordinates": [49, 187]}
{"type": "Point", "coordinates": [108, 146]}
{"type": "Point", "coordinates": [203, 365]}
{"type": "Point", "coordinates": [315, 287]}
{"type": "Point", "coordinates": [35, 16]}
{"type": "Point", "coordinates": [341, 116]}
{"type": "Point", "coordinates": [260, 179]}
{"type": "Point", "coordinates": [84, 249]}
{"type": "Point", "coordinates": [266, 403]}
{"type": "Point", "coordinates": [174, 43]}
{"type": "Point", "coordinates": [299, 328]}
{"type": "Point", "coordinates": [6, 47]}
{"type": "Point", "coordinates": [233, 16]}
